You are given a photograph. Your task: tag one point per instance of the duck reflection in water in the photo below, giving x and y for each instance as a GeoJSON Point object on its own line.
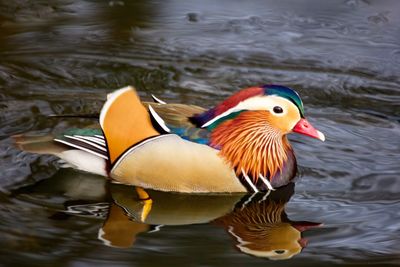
{"type": "Point", "coordinates": [257, 223]}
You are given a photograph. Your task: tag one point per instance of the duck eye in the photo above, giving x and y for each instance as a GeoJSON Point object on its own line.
{"type": "Point", "coordinates": [279, 251]}
{"type": "Point", "coordinates": [277, 109]}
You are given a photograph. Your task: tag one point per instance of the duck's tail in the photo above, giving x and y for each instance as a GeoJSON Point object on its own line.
{"type": "Point", "coordinates": [42, 144]}
{"type": "Point", "coordinates": [125, 122]}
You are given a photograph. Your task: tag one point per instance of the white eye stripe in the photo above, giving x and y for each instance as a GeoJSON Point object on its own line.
{"type": "Point", "coordinates": [254, 103]}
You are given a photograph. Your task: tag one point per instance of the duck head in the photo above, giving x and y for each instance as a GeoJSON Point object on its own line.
{"type": "Point", "coordinates": [250, 128]}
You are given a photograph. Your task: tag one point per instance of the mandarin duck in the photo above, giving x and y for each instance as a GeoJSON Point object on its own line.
{"type": "Point", "coordinates": [237, 146]}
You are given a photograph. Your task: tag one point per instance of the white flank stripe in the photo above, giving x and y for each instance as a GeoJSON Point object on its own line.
{"type": "Point", "coordinates": [159, 120]}
{"type": "Point", "coordinates": [94, 139]}
{"type": "Point", "coordinates": [157, 100]}
{"type": "Point", "coordinates": [87, 142]}
{"type": "Point", "coordinates": [81, 148]}
{"type": "Point", "coordinates": [266, 182]}
{"type": "Point", "coordinates": [247, 178]}
{"type": "Point", "coordinates": [99, 136]}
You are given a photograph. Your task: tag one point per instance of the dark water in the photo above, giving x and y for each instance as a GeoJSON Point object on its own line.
{"type": "Point", "coordinates": [343, 57]}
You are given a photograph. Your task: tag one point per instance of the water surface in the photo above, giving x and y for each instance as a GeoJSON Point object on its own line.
{"type": "Point", "coordinates": [343, 57]}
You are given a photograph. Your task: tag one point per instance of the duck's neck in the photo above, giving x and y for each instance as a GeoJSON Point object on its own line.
{"type": "Point", "coordinates": [254, 148]}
